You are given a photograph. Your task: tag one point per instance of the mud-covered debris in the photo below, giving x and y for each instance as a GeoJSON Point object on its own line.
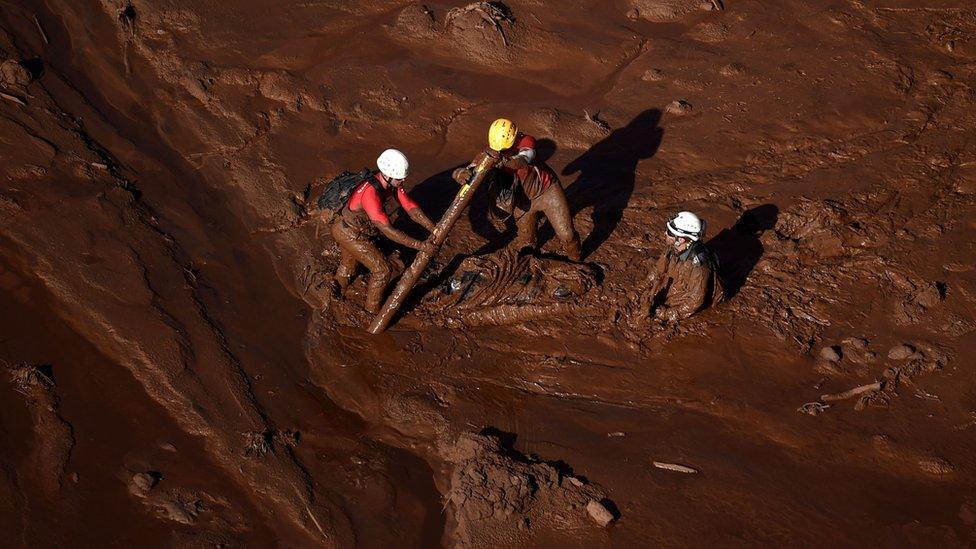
{"type": "Point", "coordinates": [851, 393]}
{"type": "Point", "coordinates": [831, 353]}
{"type": "Point", "coordinates": [181, 511]}
{"type": "Point", "coordinates": [679, 107]}
{"type": "Point", "coordinates": [813, 408]}
{"type": "Point", "coordinates": [142, 483]}
{"type": "Point", "coordinates": [257, 444]}
{"type": "Point", "coordinates": [666, 11]}
{"type": "Point", "coordinates": [492, 13]}
{"type": "Point", "coordinates": [937, 466]}
{"type": "Point", "coordinates": [26, 377]}
{"type": "Point", "coordinates": [901, 352]}
{"type": "Point", "coordinates": [675, 467]}
{"type": "Point", "coordinates": [600, 514]}
{"type": "Point", "coordinates": [496, 493]}
{"type": "Point", "coordinates": [288, 437]}
{"type": "Point", "coordinates": [14, 75]}
{"type": "Point", "coordinates": [508, 287]}
{"type": "Point", "coordinates": [594, 118]}
{"type": "Point", "coordinates": [416, 20]}
{"type": "Point", "coordinates": [13, 99]}
{"type": "Point", "coordinates": [855, 349]}
{"type": "Point", "coordinates": [653, 75]}
{"type": "Point", "coordinates": [732, 69]}
{"type": "Point", "coordinates": [127, 17]}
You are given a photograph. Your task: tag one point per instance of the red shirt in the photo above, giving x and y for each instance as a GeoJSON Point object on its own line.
{"type": "Point", "coordinates": [526, 174]}
{"type": "Point", "coordinates": [366, 198]}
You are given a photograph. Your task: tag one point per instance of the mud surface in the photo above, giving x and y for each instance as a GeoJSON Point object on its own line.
{"type": "Point", "coordinates": [174, 370]}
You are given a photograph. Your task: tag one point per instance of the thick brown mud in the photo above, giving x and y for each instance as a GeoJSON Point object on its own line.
{"type": "Point", "coordinates": [175, 371]}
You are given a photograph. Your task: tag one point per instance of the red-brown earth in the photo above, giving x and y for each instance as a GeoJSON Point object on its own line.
{"type": "Point", "coordinates": [175, 372]}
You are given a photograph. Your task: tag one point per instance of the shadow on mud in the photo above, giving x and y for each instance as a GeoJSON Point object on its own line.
{"type": "Point", "coordinates": [607, 173]}
{"type": "Point", "coordinates": [739, 247]}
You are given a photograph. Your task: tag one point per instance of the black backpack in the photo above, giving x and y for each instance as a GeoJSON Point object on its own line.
{"type": "Point", "coordinates": [340, 188]}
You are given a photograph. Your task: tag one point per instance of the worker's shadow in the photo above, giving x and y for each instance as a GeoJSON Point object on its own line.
{"type": "Point", "coordinates": [739, 247]}
{"type": "Point", "coordinates": [607, 174]}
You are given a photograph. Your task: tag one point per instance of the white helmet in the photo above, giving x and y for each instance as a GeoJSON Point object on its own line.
{"type": "Point", "coordinates": [686, 225]}
{"type": "Point", "coordinates": [393, 164]}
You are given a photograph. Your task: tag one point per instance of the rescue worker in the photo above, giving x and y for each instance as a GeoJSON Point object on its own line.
{"type": "Point", "coordinates": [364, 217]}
{"type": "Point", "coordinates": [525, 187]}
{"type": "Point", "coordinates": [684, 280]}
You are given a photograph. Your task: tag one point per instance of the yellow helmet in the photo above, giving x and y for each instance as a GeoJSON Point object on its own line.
{"type": "Point", "coordinates": [501, 134]}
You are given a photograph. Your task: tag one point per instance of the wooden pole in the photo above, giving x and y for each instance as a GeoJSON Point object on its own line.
{"type": "Point", "coordinates": [439, 235]}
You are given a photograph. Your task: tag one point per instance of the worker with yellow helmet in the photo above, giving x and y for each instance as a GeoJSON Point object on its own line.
{"type": "Point", "coordinates": [524, 186]}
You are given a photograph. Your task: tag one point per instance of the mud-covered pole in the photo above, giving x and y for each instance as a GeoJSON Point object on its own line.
{"type": "Point", "coordinates": [439, 235]}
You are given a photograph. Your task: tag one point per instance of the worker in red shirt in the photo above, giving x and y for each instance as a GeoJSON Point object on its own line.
{"type": "Point", "coordinates": [364, 217]}
{"type": "Point", "coordinates": [532, 187]}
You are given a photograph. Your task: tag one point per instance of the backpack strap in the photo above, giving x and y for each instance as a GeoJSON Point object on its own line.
{"type": "Point", "coordinates": [375, 183]}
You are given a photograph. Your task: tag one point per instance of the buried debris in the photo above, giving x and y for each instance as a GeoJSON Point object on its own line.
{"type": "Point", "coordinates": [599, 513]}
{"type": "Point", "coordinates": [679, 107]}
{"type": "Point", "coordinates": [594, 118]}
{"type": "Point", "coordinates": [141, 483]}
{"type": "Point", "coordinates": [493, 13]}
{"type": "Point", "coordinates": [27, 376]}
{"type": "Point", "coordinates": [257, 443]}
{"type": "Point", "coordinates": [901, 352]}
{"type": "Point", "coordinates": [851, 393]}
{"type": "Point", "coordinates": [813, 408]}
{"type": "Point", "coordinates": [497, 494]}
{"type": "Point", "coordinates": [831, 353]}
{"type": "Point", "coordinates": [865, 393]}
{"type": "Point", "coordinates": [13, 99]}
{"type": "Point", "coordinates": [675, 467]}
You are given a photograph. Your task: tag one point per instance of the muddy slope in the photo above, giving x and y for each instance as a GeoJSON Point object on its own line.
{"type": "Point", "coordinates": [178, 374]}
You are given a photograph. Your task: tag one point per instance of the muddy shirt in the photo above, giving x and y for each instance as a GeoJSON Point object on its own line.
{"type": "Point", "coordinates": [532, 175]}
{"type": "Point", "coordinates": [366, 203]}
{"type": "Point", "coordinates": [684, 283]}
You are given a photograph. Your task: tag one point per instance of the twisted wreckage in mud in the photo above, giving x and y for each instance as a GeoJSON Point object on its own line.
{"type": "Point", "coordinates": [502, 288]}
{"type": "Point", "coordinates": [509, 287]}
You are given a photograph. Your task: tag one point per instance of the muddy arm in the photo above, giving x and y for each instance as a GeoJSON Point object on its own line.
{"type": "Point", "coordinates": [420, 218]}
{"type": "Point", "coordinates": [518, 161]}
{"type": "Point", "coordinates": [399, 236]}
{"type": "Point", "coordinates": [687, 293]}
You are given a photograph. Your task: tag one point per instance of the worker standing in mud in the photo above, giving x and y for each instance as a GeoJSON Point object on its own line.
{"type": "Point", "coordinates": [524, 186]}
{"type": "Point", "coordinates": [364, 217]}
{"type": "Point", "coordinates": [684, 279]}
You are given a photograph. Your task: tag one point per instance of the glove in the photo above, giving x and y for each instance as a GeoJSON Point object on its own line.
{"type": "Point", "coordinates": [493, 154]}
{"type": "Point", "coordinates": [666, 315]}
{"type": "Point", "coordinates": [462, 175]}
